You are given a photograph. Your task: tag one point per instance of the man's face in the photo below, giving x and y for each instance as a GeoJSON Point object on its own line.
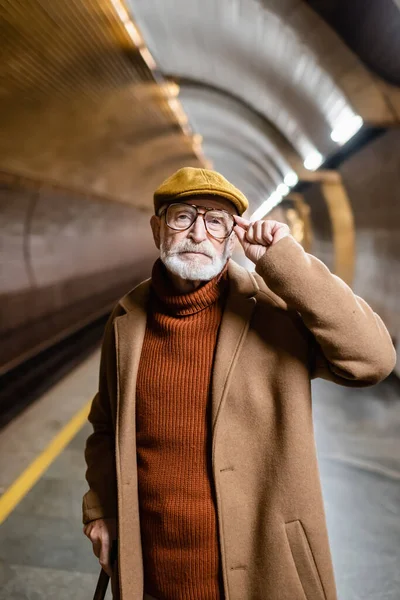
{"type": "Point", "coordinates": [194, 254]}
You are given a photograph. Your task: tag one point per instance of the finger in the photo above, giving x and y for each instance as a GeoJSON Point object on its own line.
{"type": "Point", "coordinates": [278, 227]}
{"type": "Point", "coordinates": [273, 223]}
{"type": "Point", "coordinates": [249, 234]}
{"type": "Point", "coordinates": [96, 547]}
{"type": "Point", "coordinates": [104, 557]}
{"type": "Point", "coordinates": [258, 232]}
{"type": "Point", "coordinates": [267, 234]}
{"type": "Point", "coordinates": [242, 222]}
{"type": "Point", "coordinates": [89, 532]}
{"type": "Point", "coordinates": [283, 226]}
{"type": "Point", "coordinates": [281, 232]}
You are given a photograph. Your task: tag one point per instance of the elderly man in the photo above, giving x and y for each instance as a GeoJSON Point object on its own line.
{"type": "Point", "coordinates": [202, 462]}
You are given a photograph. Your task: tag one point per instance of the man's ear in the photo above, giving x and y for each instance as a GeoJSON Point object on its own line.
{"type": "Point", "coordinates": [232, 241]}
{"type": "Point", "coordinates": [155, 223]}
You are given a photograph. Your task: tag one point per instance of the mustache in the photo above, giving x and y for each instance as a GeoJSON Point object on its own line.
{"type": "Point", "coordinates": [188, 246]}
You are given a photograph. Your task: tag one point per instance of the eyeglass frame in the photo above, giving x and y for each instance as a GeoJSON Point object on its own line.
{"type": "Point", "coordinates": [206, 209]}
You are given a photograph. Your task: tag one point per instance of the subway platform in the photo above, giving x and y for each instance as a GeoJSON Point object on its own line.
{"type": "Point", "coordinates": [44, 554]}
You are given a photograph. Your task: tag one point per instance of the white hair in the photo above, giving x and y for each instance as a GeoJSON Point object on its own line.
{"type": "Point", "coordinates": [194, 269]}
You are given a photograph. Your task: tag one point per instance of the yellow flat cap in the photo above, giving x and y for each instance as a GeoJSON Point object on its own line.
{"type": "Point", "coordinates": [190, 181]}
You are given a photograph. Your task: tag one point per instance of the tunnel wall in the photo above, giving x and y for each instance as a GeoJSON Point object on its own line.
{"type": "Point", "coordinates": [372, 181]}
{"type": "Point", "coordinates": [64, 257]}
{"type": "Point", "coordinates": [322, 238]}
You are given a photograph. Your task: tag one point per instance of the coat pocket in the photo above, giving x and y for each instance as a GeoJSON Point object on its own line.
{"type": "Point", "coordinates": [304, 561]}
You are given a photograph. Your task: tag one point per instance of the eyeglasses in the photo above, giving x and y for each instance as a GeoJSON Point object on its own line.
{"type": "Point", "coordinates": [218, 223]}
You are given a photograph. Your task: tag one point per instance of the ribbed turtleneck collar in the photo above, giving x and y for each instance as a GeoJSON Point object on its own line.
{"type": "Point", "coordinates": [192, 302]}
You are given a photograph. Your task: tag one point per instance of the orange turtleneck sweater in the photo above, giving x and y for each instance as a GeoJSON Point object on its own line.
{"type": "Point", "coordinates": [181, 556]}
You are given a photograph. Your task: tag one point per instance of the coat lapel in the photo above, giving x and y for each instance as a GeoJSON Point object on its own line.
{"type": "Point", "coordinates": [235, 322]}
{"type": "Point", "coordinates": [130, 330]}
{"type": "Point", "coordinates": [129, 334]}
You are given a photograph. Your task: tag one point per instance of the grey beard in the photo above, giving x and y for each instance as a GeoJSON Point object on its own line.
{"type": "Point", "coordinates": [190, 270]}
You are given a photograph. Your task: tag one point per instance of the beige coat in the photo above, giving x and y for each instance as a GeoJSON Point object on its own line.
{"type": "Point", "coordinates": [290, 321]}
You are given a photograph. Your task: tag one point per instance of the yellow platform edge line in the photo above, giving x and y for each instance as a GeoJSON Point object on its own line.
{"type": "Point", "coordinates": [21, 486]}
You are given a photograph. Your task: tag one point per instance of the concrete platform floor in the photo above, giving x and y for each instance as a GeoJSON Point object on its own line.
{"type": "Point", "coordinates": [44, 555]}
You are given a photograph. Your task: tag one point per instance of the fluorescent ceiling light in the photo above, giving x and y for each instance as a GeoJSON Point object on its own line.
{"type": "Point", "coordinates": [133, 32]}
{"type": "Point", "coordinates": [148, 59]}
{"type": "Point", "coordinates": [266, 206]}
{"type": "Point", "coordinates": [346, 128]}
{"type": "Point", "coordinates": [121, 11]}
{"type": "Point", "coordinates": [291, 179]}
{"type": "Point", "coordinates": [313, 161]}
{"type": "Point", "coordinates": [127, 21]}
{"type": "Point", "coordinates": [275, 197]}
{"type": "Point", "coordinates": [282, 189]}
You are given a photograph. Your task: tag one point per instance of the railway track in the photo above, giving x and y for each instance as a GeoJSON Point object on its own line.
{"type": "Point", "coordinates": [26, 382]}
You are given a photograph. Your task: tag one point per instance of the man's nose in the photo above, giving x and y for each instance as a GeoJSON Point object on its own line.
{"type": "Point", "coordinates": [198, 231]}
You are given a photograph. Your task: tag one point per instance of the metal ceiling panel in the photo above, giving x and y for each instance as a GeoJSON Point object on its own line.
{"type": "Point", "coordinates": [279, 56]}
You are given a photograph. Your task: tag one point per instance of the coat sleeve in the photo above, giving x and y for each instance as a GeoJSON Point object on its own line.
{"type": "Point", "coordinates": [101, 499]}
{"type": "Point", "coordinates": [349, 343]}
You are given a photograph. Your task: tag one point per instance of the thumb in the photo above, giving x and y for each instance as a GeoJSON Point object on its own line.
{"type": "Point", "coordinates": [240, 234]}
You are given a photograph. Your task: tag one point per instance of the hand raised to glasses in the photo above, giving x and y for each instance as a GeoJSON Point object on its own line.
{"type": "Point", "coordinates": [256, 237]}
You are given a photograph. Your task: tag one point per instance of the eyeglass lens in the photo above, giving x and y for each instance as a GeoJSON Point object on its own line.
{"type": "Point", "coordinates": [181, 216]}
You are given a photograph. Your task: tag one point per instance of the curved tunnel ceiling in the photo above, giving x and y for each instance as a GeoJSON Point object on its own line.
{"type": "Point", "coordinates": [240, 144]}
{"type": "Point", "coordinates": [80, 107]}
{"type": "Point", "coordinates": [280, 56]}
